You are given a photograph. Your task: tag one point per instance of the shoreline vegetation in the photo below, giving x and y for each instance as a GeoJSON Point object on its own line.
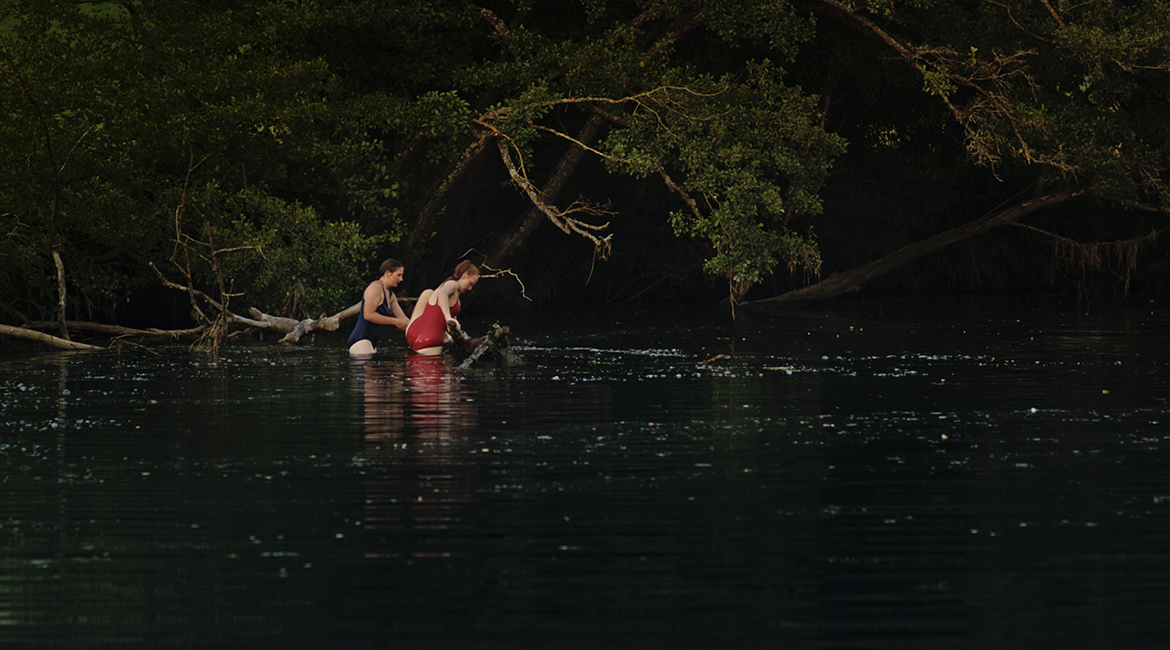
{"type": "Point", "coordinates": [170, 162]}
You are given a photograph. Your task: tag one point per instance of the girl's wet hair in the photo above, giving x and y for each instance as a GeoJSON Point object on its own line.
{"type": "Point", "coordinates": [464, 268]}
{"type": "Point", "coordinates": [390, 265]}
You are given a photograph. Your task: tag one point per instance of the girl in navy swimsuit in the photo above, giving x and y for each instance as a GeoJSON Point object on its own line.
{"type": "Point", "coordinates": [379, 307]}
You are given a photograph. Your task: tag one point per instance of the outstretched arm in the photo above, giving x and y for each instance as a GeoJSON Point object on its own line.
{"type": "Point", "coordinates": [445, 292]}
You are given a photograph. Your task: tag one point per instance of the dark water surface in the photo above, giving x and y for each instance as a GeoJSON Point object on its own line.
{"type": "Point", "coordinates": [956, 476]}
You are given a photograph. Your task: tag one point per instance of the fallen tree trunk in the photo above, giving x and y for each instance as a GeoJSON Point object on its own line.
{"type": "Point", "coordinates": [850, 281]}
{"type": "Point", "coordinates": [119, 331]}
{"type": "Point", "coordinates": [292, 328]}
{"type": "Point", "coordinates": [295, 329]}
{"type": "Point", "coordinates": [48, 339]}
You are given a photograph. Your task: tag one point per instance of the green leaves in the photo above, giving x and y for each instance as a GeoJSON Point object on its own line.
{"type": "Point", "coordinates": [1069, 87]}
{"type": "Point", "coordinates": [742, 150]}
{"type": "Point", "coordinates": [751, 152]}
{"type": "Point", "coordinates": [281, 255]}
{"type": "Point", "coordinates": [360, 161]}
{"type": "Point", "coordinates": [280, 129]}
{"type": "Point", "coordinates": [120, 115]}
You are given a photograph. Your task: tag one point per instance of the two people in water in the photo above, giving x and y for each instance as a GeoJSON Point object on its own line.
{"type": "Point", "coordinates": [435, 310]}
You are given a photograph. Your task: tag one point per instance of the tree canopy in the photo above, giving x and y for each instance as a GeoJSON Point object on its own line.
{"type": "Point", "coordinates": [271, 153]}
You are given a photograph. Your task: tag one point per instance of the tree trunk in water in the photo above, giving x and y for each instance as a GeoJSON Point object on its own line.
{"type": "Point", "coordinates": [60, 293]}
{"type": "Point", "coordinates": [506, 246]}
{"type": "Point", "coordinates": [849, 281]}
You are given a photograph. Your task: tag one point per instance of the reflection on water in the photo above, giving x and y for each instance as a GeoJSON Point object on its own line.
{"type": "Point", "coordinates": [883, 479]}
{"type": "Point", "coordinates": [417, 417]}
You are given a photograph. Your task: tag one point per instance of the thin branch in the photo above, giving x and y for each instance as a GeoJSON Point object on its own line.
{"type": "Point", "coordinates": [1011, 17]}
{"type": "Point", "coordinates": [191, 291]}
{"type": "Point", "coordinates": [577, 142]}
{"type": "Point", "coordinates": [504, 111]}
{"type": "Point", "coordinates": [1152, 236]}
{"type": "Point", "coordinates": [487, 271]}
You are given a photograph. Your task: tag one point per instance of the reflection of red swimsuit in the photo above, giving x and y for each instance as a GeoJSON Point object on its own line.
{"type": "Point", "coordinates": [429, 330]}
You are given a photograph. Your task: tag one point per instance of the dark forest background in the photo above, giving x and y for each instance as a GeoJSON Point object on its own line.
{"type": "Point", "coordinates": [164, 162]}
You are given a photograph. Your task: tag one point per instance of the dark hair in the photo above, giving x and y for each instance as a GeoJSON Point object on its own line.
{"type": "Point", "coordinates": [390, 265]}
{"type": "Point", "coordinates": [464, 268]}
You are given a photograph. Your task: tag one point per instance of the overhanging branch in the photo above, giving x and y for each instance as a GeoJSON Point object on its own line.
{"type": "Point", "coordinates": [560, 218]}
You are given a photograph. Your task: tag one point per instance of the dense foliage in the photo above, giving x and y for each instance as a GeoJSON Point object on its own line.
{"type": "Point", "coordinates": [271, 152]}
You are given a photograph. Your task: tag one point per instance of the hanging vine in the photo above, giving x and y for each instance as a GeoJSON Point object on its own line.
{"type": "Point", "coordinates": [1119, 258]}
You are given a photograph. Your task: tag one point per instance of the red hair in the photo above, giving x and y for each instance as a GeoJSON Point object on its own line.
{"type": "Point", "coordinates": [465, 267]}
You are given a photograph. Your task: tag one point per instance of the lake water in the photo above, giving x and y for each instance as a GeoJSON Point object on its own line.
{"type": "Point", "coordinates": [957, 475]}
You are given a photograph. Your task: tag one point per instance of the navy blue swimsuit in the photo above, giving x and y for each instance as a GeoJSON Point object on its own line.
{"type": "Point", "coordinates": [364, 329]}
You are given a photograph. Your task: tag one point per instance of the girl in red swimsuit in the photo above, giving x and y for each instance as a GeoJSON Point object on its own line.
{"type": "Point", "coordinates": [436, 308]}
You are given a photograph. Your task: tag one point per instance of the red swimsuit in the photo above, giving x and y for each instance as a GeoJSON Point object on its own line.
{"type": "Point", "coordinates": [429, 330]}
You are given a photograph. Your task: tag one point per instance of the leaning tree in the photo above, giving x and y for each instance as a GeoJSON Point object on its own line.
{"type": "Point", "coordinates": [1070, 96]}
